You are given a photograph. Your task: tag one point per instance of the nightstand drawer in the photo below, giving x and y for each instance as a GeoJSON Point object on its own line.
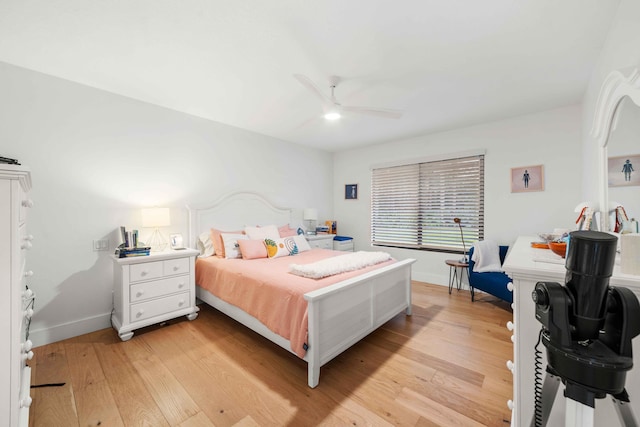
{"type": "Point", "coordinates": [158, 288]}
{"type": "Point", "coordinates": [157, 307]}
{"type": "Point", "coordinates": [145, 271]}
{"type": "Point", "coordinates": [176, 266]}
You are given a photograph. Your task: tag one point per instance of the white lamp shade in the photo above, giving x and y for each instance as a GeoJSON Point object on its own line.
{"type": "Point", "coordinates": [156, 217]}
{"type": "Point", "coordinates": [310, 214]}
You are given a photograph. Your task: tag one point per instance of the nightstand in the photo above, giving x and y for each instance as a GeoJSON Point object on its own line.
{"type": "Point", "coordinates": [322, 241]}
{"type": "Point", "coordinates": [343, 243]}
{"type": "Point", "coordinates": [152, 289]}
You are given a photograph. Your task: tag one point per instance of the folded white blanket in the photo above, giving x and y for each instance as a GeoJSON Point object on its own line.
{"type": "Point", "coordinates": [486, 256]}
{"type": "Point", "coordinates": [339, 264]}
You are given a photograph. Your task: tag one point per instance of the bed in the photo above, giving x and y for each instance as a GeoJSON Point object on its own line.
{"type": "Point", "coordinates": [359, 304]}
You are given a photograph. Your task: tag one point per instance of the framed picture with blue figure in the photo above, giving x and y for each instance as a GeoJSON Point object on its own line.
{"type": "Point", "coordinates": [527, 178]}
{"type": "Point", "coordinates": [351, 191]}
{"type": "Point", "coordinates": [624, 170]}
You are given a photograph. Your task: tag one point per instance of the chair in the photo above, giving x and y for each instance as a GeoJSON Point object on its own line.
{"type": "Point", "coordinates": [494, 283]}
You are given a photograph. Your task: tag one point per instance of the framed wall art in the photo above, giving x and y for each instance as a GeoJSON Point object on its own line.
{"type": "Point", "coordinates": [624, 170]}
{"type": "Point", "coordinates": [527, 178]}
{"type": "Point", "coordinates": [351, 192]}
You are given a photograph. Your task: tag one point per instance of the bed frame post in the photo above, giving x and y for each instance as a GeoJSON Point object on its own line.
{"type": "Point", "coordinates": [313, 352]}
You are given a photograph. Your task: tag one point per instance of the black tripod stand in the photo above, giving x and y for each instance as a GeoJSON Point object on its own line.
{"type": "Point", "coordinates": [587, 330]}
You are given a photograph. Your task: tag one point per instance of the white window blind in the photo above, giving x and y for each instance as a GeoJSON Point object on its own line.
{"type": "Point", "coordinates": [413, 206]}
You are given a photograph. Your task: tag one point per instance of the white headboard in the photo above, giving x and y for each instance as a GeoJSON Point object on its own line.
{"type": "Point", "coordinates": [234, 212]}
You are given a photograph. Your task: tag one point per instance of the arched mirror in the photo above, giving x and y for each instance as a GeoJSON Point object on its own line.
{"type": "Point", "coordinates": [617, 131]}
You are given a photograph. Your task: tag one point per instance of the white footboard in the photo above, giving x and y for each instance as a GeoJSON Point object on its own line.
{"type": "Point", "coordinates": [342, 314]}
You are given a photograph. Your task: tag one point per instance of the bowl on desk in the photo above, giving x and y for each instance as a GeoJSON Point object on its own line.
{"type": "Point", "coordinates": [558, 248]}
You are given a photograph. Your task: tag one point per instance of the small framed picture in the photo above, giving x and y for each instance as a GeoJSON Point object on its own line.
{"type": "Point", "coordinates": [351, 191]}
{"type": "Point", "coordinates": [527, 178]}
{"type": "Point", "coordinates": [176, 241]}
{"type": "Point", "coordinates": [621, 170]}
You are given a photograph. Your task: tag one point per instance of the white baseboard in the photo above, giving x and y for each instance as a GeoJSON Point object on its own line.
{"type": "Point", "coordinates": [61, 332]}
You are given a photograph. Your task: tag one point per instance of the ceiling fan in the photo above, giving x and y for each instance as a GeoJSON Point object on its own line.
{"type": "Point", "coordinates": [333, 109]}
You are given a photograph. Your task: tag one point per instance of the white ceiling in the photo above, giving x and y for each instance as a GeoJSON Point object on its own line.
{"type": "Point", "coordinates": [446, 63]}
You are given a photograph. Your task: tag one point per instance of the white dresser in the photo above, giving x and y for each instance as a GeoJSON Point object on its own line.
{"type": "Point", "coordinates": [16, 301]}
{"type": "Point", "coordinates": [527, 266]}
{"type": "Point", "coordinates": [152, 289]}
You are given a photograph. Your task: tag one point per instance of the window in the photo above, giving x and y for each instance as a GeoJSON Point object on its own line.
{"type": "Point", "coordinates": [413, 205]}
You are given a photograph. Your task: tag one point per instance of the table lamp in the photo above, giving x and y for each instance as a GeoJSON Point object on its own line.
{"type": "Point", "coordinates": [310, 215]}
{"type": "Point", "coordinates": [155, 218]}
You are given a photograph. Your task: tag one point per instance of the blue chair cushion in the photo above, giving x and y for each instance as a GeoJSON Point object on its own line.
{"type": "Point", "coordinates": [494, 283]}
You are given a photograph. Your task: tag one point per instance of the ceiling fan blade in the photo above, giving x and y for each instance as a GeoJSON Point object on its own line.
{"type": "Point", "coordinates": [380, 112]}
{"type": "Point", "coordinates": [309, 84]}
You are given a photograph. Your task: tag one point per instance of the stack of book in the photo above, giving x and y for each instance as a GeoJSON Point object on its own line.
{"type": "Point", "coordinates": [130, 252]}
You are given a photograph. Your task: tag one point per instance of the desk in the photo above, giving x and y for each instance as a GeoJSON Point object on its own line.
{"type": "Point", "coordinates": [454, 276]}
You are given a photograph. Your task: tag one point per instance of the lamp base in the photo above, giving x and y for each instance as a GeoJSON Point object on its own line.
{"type": "Point", "coordinates": [157, 242]}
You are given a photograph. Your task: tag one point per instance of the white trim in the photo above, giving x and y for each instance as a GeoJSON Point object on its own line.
{"type": "Point", "coordinates": [433, 158]}
{"type": "Point", "coordinates": [63, 331]}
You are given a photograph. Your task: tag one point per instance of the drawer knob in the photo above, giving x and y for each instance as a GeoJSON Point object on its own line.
{"type": "Point", "coordinates": [28, 203]}
{"type": "Point", "coordinates": [26, 245]}
{"type": "Point", "coordinates": [510, 325]}
{"type": "Point", "coordinates": [140, 293]}
{"type": "Point", "coordinates": [27, 345]}
{"type": "Point", "coordinates": [140, 312]}
{"type": "Point", "coordinates": [28, 294]}
{"type": "Point", "coordinates": [26, 402]}
{"type": "Point", "coordinates": [27, 356]}
{"type": "Point", "coordinates": [28, 313]}
{"type": "Point", "coordinates": [176, 268]}
{"type": "Point", "coordinates": [180, 303]}
{"type": "Point", "coordinates": [510, 404]}
{"type": "Point", "coordinates": [510, 365]}
{"type": "Point", "coordinates": [510, 286]}
{"type": "Point", "coordinates": [180, 285]}
{"type": "Point", "coordinates": [28, 237]}
{"type": "Point", "coordinates": [513, 338]}
{"type": "Point", "coordinates": [144, 272]}
{"type": "Point", "coordinates": [28, 273]}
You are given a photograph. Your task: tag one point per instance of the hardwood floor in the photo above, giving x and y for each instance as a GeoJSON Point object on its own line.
{"type": "Point", "coordinates": [443, 366]}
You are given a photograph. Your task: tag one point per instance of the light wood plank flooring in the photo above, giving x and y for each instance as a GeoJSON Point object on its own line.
{"type": "Point", "coordinates": [443, 366]}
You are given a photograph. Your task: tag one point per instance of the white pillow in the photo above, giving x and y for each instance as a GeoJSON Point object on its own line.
{"type": "Point", "coordinates": [301, 243]}
{"type": "Point", "coordinates": [231, 247]}
{"type": "Point", "coordinates": [205, 245]}
{"type": "Point", "coordinates": [486, 255]}
{"type": "Point", "coordinates": [261, 233]}
{"type": "Point", "coordinates": [284, 246]}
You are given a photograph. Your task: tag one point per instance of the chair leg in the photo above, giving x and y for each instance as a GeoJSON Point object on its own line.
{"type": "Point", "coordinates": [472, 292]}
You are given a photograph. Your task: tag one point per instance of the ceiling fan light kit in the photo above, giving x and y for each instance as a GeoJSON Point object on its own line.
{"type": "Point", "coordinates": [333, 109]}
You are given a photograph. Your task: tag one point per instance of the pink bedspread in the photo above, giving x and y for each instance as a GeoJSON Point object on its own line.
{"type": "Point", "coordinates": [265, 289]}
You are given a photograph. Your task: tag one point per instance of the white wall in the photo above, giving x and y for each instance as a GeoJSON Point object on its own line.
{"type": "Point", "coordinates": [551, 138]}
{"type": "Point", "coordinates": [97, 158]}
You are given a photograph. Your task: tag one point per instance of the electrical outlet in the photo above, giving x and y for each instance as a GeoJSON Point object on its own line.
{"type": "Point", "coordinates": [101, 245]}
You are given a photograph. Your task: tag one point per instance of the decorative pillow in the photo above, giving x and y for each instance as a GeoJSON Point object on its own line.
{"type": "Point", "coordinates": [301, 243]}
{"type": "Point", "coordinates": [231, 247]}
{"type": "Point", "coordinates": [216, 239]}
{"type": "Point", "coordinates": [261, 233]}
{"type": "Point", "coordinates": [252, 249]}
{"type": "Point", "coordinates": [280, 247]}
{"type": "Point", "coordinates": [205, 245]}
{"type": "Point", "coordinates": [286, 231]}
